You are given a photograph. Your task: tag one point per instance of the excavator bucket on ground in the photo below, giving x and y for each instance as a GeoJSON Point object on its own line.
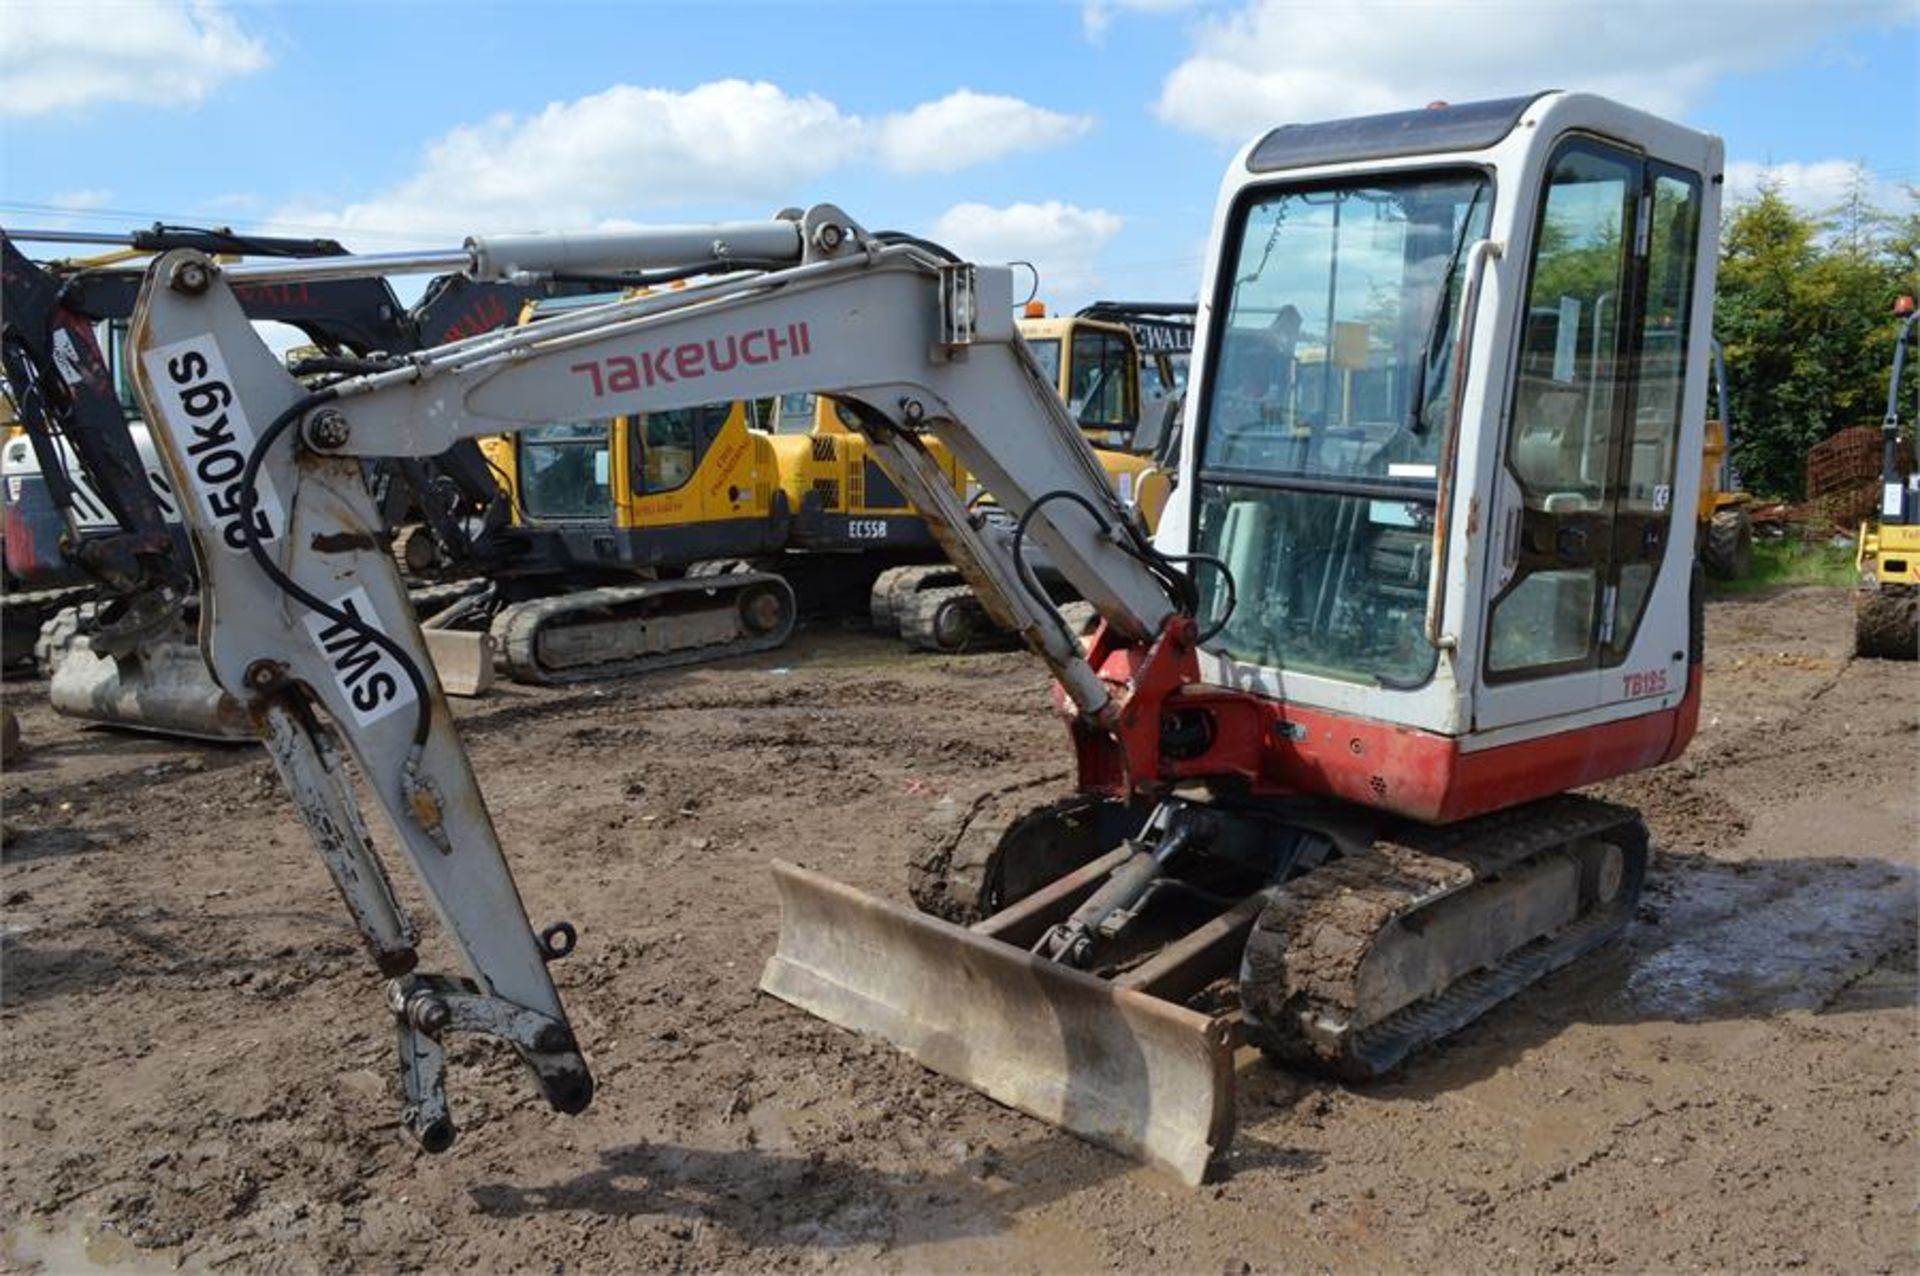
{"type": "Point", "coordinates": [165, 689]}
{"type": "Point", "coordinates": [162, 685]}
{"type": "Point", "coordinates": [1115, 1065]}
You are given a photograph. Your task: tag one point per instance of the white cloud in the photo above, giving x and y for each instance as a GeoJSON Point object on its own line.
{"type": "Point", "coordinates": [966, 128]}
{"type": "Point", "coordinates": [1061, 240]}
{"type": "Point", "coordinates": [1814, 187]}
{"type": "Point", "coordinates": [1097, 15]}
{"type": "Point", "coordinates": [81, 201]}
{"type": "Point", "coordinates": [69, 54]}
{"type": "Point", "coordinates": [597, 159]}
{"type": "Point", "coordinates": [1273, 62]}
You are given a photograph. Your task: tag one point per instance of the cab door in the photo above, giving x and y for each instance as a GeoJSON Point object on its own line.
{"type": "Point", "coordinates": [1583, 499]}
{"type": "Point", "coordinates": [665, 453]}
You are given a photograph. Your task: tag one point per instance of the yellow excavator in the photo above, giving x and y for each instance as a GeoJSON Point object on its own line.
{"type": "Point", "coordinates": [738, 511]}
{"type": "Point", "coordinates": [1723, 513]}
{"type": "Point", "coordinates": [1887, 606]}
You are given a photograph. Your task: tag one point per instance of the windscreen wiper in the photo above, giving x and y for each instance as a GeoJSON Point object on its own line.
{"type": "Point", "coordinates": [1417, 407]}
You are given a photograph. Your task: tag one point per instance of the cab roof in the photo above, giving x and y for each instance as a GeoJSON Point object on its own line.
{"type": "Point", "coordinates": [1470, 126]}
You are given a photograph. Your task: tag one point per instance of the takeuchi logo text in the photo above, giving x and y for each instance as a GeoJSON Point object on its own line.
{"type": "Point", "coordinates": [691, 360]}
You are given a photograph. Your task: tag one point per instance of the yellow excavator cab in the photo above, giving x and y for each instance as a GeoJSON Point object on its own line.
{"type": "Point", "coordinates": [649, 472]}
{"type": "Point", "coordinates": [1095, 365]}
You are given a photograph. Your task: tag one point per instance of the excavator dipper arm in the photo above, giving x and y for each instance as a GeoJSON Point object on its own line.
{"type": "Point", "coordinates": [303, 607]}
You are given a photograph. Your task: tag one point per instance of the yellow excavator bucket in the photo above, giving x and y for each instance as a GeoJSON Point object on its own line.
{"type": "Point", "coordinates": [1119, 1067]}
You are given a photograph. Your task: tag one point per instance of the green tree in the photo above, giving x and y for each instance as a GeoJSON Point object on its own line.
{"type": "Point", "coordinates": [1805, 312]}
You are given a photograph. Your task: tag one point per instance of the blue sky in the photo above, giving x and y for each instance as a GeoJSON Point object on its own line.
{"type": "Point", "coordinates": [1090, 137]}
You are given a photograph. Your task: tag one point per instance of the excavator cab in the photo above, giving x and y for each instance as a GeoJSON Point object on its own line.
{"type": "Point", "coordinates": [1096, 365]}
{"type": "Point", "coordinates": [1449, 502]}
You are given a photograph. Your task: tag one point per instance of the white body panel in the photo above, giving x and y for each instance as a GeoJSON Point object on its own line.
{"type": "Point", "coordinates": [1457, 700]}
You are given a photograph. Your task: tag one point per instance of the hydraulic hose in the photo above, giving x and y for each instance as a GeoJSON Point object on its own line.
{"type": "Point", "coordinates": [249, 503]}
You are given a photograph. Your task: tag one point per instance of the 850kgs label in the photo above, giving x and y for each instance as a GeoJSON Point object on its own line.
{"type": "Point", "coordinates": [213, 438]}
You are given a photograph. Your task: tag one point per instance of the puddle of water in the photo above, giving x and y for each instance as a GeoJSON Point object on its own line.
{"type": "Point", "coordinates": [77, 1247]}
{"type": "Point", "coordinates": [1770, 939]}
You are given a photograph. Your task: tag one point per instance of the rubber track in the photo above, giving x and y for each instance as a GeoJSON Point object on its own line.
{"type": "Point", "coordinates": [518, 628]}
{"type": "Point", "coordinates": [893, 587]}
{"type": "Point", "coordinates": [964, 838]}
{"type": "Point", "coordinates": [1311, 941]}
{"type": "Point", "coordinates": [1887, 622]}
{"type": "Point", "coordinates": [63, 623]}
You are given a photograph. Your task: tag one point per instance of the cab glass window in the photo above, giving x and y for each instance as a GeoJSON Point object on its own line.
{"type": "Point", "coordinates": [1100, 390]}
{"type": "Point", "coordinates": [1325, 420]}
{"type": "Point", "coordinates": [1560, 446]}
{"type": "Point", "coordinates": [666, 447]}
{"type": "Point", "coordinates": [564, 471]}
{"type": "Point", "coordinates": [1336, 358]}
{"type": "Point", "coordinates": [796, 414]}
{"type": "Point", "coordinates": [1644, 517]}
{"type": "Point", "coordinates": [1047, 353]}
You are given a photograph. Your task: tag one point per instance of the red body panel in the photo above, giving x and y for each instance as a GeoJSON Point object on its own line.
{"type": "Point", "coordinates": [1270, 747]}
{"type": "Point", "coordinates": [16, 541]}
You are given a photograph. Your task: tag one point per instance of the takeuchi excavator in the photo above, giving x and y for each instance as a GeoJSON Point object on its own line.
{"type": "Point", "coordinates": [1329, 732]}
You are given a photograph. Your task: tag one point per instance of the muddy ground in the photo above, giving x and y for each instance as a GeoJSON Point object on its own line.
{"type": "Point", "coordinates": [194, 1058]}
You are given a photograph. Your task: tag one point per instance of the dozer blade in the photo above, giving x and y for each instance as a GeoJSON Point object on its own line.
{"type": "Point", "coordinates": [1118, 1067]}
{"type": "Point", "coordinates": [462, 658]}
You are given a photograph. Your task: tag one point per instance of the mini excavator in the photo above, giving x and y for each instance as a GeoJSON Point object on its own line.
{"type": "Point", "coordinates": [1428, 570]}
